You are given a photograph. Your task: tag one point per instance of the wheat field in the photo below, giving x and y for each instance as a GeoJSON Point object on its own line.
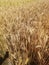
{"type": "Point", "coordinates": [24, 31]}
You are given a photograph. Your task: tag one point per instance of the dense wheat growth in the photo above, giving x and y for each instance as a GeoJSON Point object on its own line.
{"type": "Point", "coordinates": [24, 32]}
